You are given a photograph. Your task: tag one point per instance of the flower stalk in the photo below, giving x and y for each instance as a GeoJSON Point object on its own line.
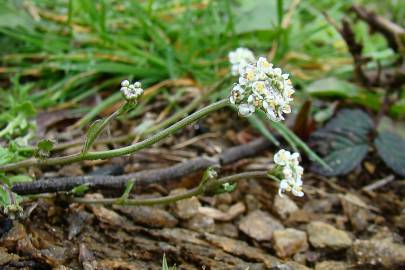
{"type": "Point", "coordinates": [124, 150]}
{"type": "Point", "coordinates": [204, 187]}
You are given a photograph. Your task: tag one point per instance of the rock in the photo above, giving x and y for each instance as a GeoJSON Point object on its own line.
{"type": "Point", "coordinates": [149, 216]}
{"type": "Point", "coordinates": [400, 221]}
{"type": "Point", "coordinates": [200, 223]}
{"type": "Point", "coordinates": [323, 235]}
{"type": "Point", "coordinates": [328, 265]}
{"type": "Point", "coordinates": [103, 214]}
{"type": "Point", "coordinates": [318, 206]}
{"type": "Point", "coordinates": [242, 249]}
{"type": "Point", "coordinates": [260, 225]}
{"type": "Point", "coordinates": [300, 216]}
{"type": "Point", "coordinates": [6, 257]}
{"type": "Point", "coordinates": [224, 198]}
{"type": "Point", "coordinates": [356, 211]}
{"type": "Point", "coordinates": [77, 220]}
{"type": "Point", "coordinates": [86, 258]}
{"type": "Point", "coordinates": [284, 206]}
{"type": "Point", "coordinates": [232, 212]}
{"type": "Point", "coordinates": [379, 252]}
{"type": "Point", "coordinates": [300, 258]}
{"type": "Point", "coordinates": [107, 216]}
{"type": "Point", "coordinates": [252, 203]}
{"type": "Point", "coordinates": [289, 241]}
{"type": "Point", "coordinates": [227, 229]}
{"type": "Point", "coordinates": [71, 170]}
{"type": "Point", "coordinates": [187, 208]}
{"type": "Point", "coordinates": [15, 234]}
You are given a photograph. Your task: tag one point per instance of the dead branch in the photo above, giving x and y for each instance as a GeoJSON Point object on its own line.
{"type": "Point", "coordinates": [144, 179]}
{"type": "Point", "coordinates": [390, 30]}
{"type": "Point", "coordinates": [389, 78]}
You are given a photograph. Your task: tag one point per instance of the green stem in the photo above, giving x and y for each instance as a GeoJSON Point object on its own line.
{"type": "Point", "coordinates": [124, 150]}
{"type": "Point", "coordinates": [163, 124]}
{"type": "Point", "coordinates": [199, 190]}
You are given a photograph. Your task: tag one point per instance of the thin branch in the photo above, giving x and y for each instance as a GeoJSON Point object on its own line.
{"type": "Point", "coordinates": [199, 190]}
{"type": "Point", "coordinates": [390, 30]}
{"type": "Point", "coordinates": [144, 179]}
{"type": "Point", "coordinates": [355, 48]}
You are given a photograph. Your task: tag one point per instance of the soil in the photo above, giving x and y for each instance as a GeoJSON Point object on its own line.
{"type": "Point", "coordinates": [340, 223]}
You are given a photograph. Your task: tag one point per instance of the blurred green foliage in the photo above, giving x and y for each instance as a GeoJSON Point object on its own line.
{"type": "Point", "coordinates": [60, 52]}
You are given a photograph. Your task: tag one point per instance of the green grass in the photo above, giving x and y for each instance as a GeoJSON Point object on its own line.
{"type": "Point", "coordinates": [65, 51]}
{"type": "Point", "coordinates": [60, 53]}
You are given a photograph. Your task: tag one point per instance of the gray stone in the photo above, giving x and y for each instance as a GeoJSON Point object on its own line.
{"type": "Point", "coordinates": [323, 235]}
{"type": "Point", "coordinates": [284, 206]}
{"type": "Point", "coordinates": [329, 265]}
{"type": "Point", "coordinates": [289, 241]}
{"type": "Point", "coordinates": [379, 252]}
{"type": "Point", "coordinates": [186, 209]}
{"type": "Point", "coordinates": [260, 225]}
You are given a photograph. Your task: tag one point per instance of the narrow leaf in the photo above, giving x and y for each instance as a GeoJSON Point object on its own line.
{"type": "Point", "coordinates": [257, 123]}
{"type": "Point", "coordinates": [303, 146]}
{"type": "Point", "coordinates": [92, 133]}
{"type": "Point", "coordinates": [125, 195]}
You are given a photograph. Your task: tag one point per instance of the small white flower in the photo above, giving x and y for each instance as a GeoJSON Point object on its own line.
{"type": "Point", "coordinates": [292, 172]}
{"type": "Point", "coordinates": [246, 109]}
{"type": "Point", "coordinates": [255, 100]}
{"type": "Point", "coordinates": [125, 83]}
{"type": "Point", "coordinates": [284, 185]}
{"type": "Point", "coordinates": [262, 86]}
{"type": "Point", "coordinates": [263, 65]}
{"type": "Point", "coordinates": [239, 59]}
{"type": "Point", "coordinates": [248, 75]}
{"type": "Point", "coordinates": [259, 87]}
{"type": "Point", "coordinates": [131, 92]}
{"type": "Point", "coordinates": [237, 94]}
{"type": "Point", "coordinates": [282, 157]}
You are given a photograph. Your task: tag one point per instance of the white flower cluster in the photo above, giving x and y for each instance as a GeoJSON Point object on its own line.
{"type": "Point", "coordinates": [240, 58]}
{"type": "Point", "coordinates": [131, 92]}
{"type": "Point", "coordinates": [292, 172]}
{"type": "Point", "coordinates": [262, 87]}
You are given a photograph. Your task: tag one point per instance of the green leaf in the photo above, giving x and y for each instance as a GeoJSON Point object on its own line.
{"type": "Point", "coordinates": [20, 178]}
{"type": "Point", "coordinates": [45, 145]}
{"type": "Point", "coordinates": [256, 15]}
{"type": "Point", "coordinates": [27, 108]}
{"type": "Point", "coordinates": [44, 148]}
{"type": "Point", "coordinates": [344, 160]}
{"type": "Point", "coordinates": [391, 148]}
{"type": "Point", "coordinates": [92, 133]}
{"type": "Point", "coordinates": [4, 198]}
{"type": "Point", "coordinates": [333, 87]}
{"type": "Point", "coordinates": [79, 190]}
{"type": "Point", "coordinates": [125, 195]}
{"type": "Point", "coordinates": [165, 266]}
{"type": "Point", "coordinates": [343, 141]}
{"type": "Point", "coordinates": [8, 155]}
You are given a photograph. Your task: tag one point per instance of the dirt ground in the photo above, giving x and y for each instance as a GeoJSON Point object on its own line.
{"type": "Point", "coordinates": [353, 222]}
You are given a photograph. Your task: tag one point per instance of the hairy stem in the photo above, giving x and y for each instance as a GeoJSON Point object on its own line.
{"type": "Point", "coordinates": [159, 125]}
{"type": "Point", "coordinates": [124, 150]}
{"type": "Point", "coordinates": [199, 190]}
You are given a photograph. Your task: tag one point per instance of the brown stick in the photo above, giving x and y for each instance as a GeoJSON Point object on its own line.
{"type": "Point", "coordinates": [390, 30]}
{"type": "Point", "coordinates": [144, 179]}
